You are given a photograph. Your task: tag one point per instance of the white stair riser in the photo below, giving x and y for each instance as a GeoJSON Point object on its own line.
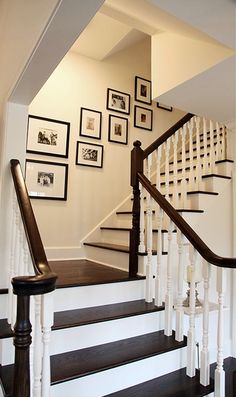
{"type": "Point", "coordinates": [109, 381]}
{"type": "Point", "coordinates": [3, 305]}
{"type": "Point", "coordinates": [97, 295]}
{"type": "Point", "coordinates": [119, 260]}
{"type": "Point", "coordinates": [75, 338]}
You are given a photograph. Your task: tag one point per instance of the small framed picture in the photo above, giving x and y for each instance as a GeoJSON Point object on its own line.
{"type": "Point", "coordinates": [118, 129]}
{"type": "Point", "coordinates": [46, 180]}
{"type": "Point", "coordinates": [118, 101]}
{"type": "Point", "coordinates": [143, 91]}
{"type": "Point", "coordinates": [143, 118]}
{"type": "Point", "coordinates": [89, 154]}
{"type": "Point", "coordinates": [47, 136]}
{"type": "Point", "coordinates": [90, 123]}
{"type": "Point", "coordinates": [164, 107]}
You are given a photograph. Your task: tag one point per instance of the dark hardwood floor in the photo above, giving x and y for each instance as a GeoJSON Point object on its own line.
{"type": "Point", "coordinates": [85, 272]}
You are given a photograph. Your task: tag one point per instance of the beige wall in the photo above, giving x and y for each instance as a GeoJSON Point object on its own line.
{"type": "Point", "coordinates": [92, 193]}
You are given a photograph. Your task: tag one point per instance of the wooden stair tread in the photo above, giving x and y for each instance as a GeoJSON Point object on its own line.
{"type": "Point", "coordinates": [174, 384]}
{"type": "Point", "coordinates": [90, 360]}
{"type": "Point", "coordinates": [178, 210]}
{"type": "Point", "coordinates": [128, 229]}
{"type": "Point", "coordinates": [119, 248]}
{"type": "Point", "coordinates": [91, 315]}
{"type": "Point", "coordinates": [203, 192]}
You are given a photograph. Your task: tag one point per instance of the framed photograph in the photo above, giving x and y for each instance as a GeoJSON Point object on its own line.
{"type": "Point", "coordinates": [118, 101]}
{"type": "Point", "coordinates": [90, 123]}
{"type": "Point", "coordinates": [118, 129]}
{"type": "Point", "coordinates": [143, 118]}
{"type": "Point", "coordinates": [89, 154]}
{"type": "Point", "coordinates": [143, 91]}
{"type": "Point", "coordinates": [46, 180]}
{"type": "Point", "coordinates": [47, 136]}
{"type": "Point", "coordinates": [164, 107]}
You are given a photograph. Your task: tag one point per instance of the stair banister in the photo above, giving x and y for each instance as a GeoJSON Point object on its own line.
{"type": "Point", "coordinates": [41, 283]}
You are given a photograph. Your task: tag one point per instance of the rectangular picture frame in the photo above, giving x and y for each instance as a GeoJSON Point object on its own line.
{"type": "Point", "coordinates": [118, 101]}
{"type": "Point", "coordinates": [164, 107]}
{"type": "Point", "coordinates": [143, 118]}
{"type": "Point", "coordinates": [47, 136]}
{"type": "Point", "coordinates": [143, 90]}
{"type": "Point", "coordinates": [89, 154]}
{"type": "Point", "coordinates": [46, 180]}
{"type": "Point", "coordinates": [90, 123]}
{"type": "Point", "coordinates": [118, 129]}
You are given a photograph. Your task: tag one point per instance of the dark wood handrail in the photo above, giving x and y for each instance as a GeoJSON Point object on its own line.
{"type": "Point", "coordinates": [183, 226]}
{"type": "Point", "coordinates": [167, 135]}
{"type": "Point", "coordinates": [44, 280]}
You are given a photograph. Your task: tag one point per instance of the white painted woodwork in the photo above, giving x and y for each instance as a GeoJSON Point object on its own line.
{"type": "Point", "coordinates": [183, 166]}
{"type": "Point", "coordinates": [174, 140]}
{"type": "Point", "coordinates": [198, 152]}
{"type": "Point", "coordinates": [223, 145]}
{"type": "Point", "coordinates": [142, 221]}
{"type": "Point", "coordinates": [204, 359]}
{"type": "Point", "coordinates": [205, 159]}
{"type": "Point", "coordinates": [149, 267]}
{"type": "Point", "coordinates": [191, 171]}
{"type": "Point", "coordinates": [158, 166]}
{"type": "Point", "coordinates": [219, 371]}
{"type": "Point", "coordinates": [191, 342]}
{"type": "Point", "coordinates": [167, 168]}
{"type": "Point", "coordinates": [169, 288]}
{"type": "Point", "coordinates": [37, 343]}
{"type": "Point", "coordinates": [179, 306]}
{"type": "Point", "coordinates": [12, 259]}
{"type": "Point", "coordinates": [212, 149]}
{"type": "Point", "coordinates": [47, 322]}
{"type": "Point", "coordinates": [158, 275]}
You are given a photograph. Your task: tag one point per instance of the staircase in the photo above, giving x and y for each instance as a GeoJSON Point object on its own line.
{"type": "Point", "coordinates": [112, 335]}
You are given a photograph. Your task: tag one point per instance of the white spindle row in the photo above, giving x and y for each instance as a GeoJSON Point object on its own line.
{"type": "Point", "coordinates": [41, 308]}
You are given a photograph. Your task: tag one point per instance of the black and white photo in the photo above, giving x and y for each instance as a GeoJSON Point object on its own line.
{"type": "Point", "coordinates": [90, 123]}
{"type": "Point", "coordinates": [89, 154]}
{"type": "Point", "coordinates": [118, 129]}
{"type": "Point", "coordinates": [46, 180]}
{"type": "Point", "coordinates": [143, 118]}
{"type": "Point", "coordinates": [118, 101]}
{"type": "Point", "coordinates": [143, 91]}
{"type": "Point", "coordinates": [48, 136]}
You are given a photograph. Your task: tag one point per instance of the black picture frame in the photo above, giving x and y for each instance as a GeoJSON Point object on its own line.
{"type": "Point", "coordinates": [90, 123]}
{"type": "Point", "coordinates": [46, 180]}
{"type": "Point", "coordinates": [143, 118]}
{"type": "Point", "coordinates": [164, 107]}
{"type": "Point", "coordinates": [89, 154]}
{"type": "Point", "coordinates": [118, 101]}
{"type": "Point", "coordinates": [118, 129]}
{"type": "Point", "coordinates": [48, 137]}
{"type": "Point", "coordinates": [143, 90]}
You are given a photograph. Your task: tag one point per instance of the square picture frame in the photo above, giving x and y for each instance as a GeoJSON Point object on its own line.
{"type": "Point", "coordinates": [47, 136]}
{"type": "Point", "coordinates": [89, 154]}
{"type": "Point", "coordinates": [143, 118]}
{"type": "Point", "coordinates": [143, 90]}
{"type": "Point", "coordinates": [118, 129]}
{"type": "Point", "coordinates": [46, 180]}
{"type": "Point", "coordinates": [164, 107]}
{"type": "Point", "coordinates": [90, 123]}
{"type": "Point", "coordinates": [118, 101]}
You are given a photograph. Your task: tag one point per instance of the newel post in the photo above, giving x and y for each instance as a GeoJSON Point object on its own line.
{"type": "Point", "coordinates": [22, 341]}
{"type": "Point", "coordinates": [136, 166]}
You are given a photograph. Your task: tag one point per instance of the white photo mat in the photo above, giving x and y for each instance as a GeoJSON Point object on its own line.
{"type": "Point", "coordinates": [143, 118]}
{"type": "Point", "coordinates": [118, 129]}
{"type": "Point", "coordinates": [90, 123]}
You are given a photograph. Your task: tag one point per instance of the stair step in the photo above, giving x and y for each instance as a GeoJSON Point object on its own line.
{"type": "Point", "coordinates": [178, 210]}
{"type": "Point", "coordinates": [203, 192]}
{"type": "Point", "coordinates": [175, 384]}
{"type": "Point", "coordinates": [117, 247]}
{"type": "Point", "coordinates": [216, 176]}
{"type": "Point", "coordinates": [128, 229]}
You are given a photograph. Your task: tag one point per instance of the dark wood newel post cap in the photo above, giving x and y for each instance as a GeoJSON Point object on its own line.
{"type": "Point", "coordinates": [137, 144]}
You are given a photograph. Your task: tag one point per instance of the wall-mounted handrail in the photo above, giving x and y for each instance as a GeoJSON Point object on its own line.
{"type": "Point", "coordinates": [167, 135]}
{"type": "Point", "coordinates": [184, 227]}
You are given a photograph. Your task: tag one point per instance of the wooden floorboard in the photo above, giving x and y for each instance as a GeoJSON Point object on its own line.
{"type": "Point", "coordinates": [85, 272]}
{"type": "Point", "coordinates": [90, 360]}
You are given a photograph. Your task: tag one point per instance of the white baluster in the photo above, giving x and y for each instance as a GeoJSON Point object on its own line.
{"type": "Point", "coordinates": [142, 221]}
{"type": "Point", "coordinates": [158, 169]}
{"type": "Point", "coordinates": [21, 251]}
{"type": "Point", "coordinates": [149, 166]}
{"type": "Point", "coordinates": [37, 344]}
{"type": "Point", "coordinates": [219, 372]}
{"type": "Point", "coordinates": [205, 157]}
{"type": "Point", "coordinates": [223, 144]}
{"type": "Point", "coordinates": [198, 152]}
{"type": "Point", "coordinates": [169, 289]}
{"type": "Point", "coordinates": [218, 142]}
{"type": "Point", "coordinates": [149, 270]}
{"type": "Point", "coordinates": [12, 259]}
{"type": "Point", "coordinates": [47, 322]}
{"type": "Point", "coordinates": [212, 149]}
{"type": "Point", "coordinates": [17, 258]}
{"type": "Point", "coordinates": [179, 306]}
{"type": "Point", "coordinates": [167, 169]}
{"type": "Point", "coordinates": [191, 165]}
{"type": "Point", "coordinates": [205, 366]}
{"type": "Point", "coordinates": [191, 344]}
{"type": "Point", "coordinates": [183, 161]}
{"type": "Point", "coordinates": [158, 286]}
{"type": "Point", "coordinates": [175, 168]}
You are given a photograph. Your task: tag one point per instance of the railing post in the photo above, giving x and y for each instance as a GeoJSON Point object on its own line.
{"type": "Point", "coordinates": [22, 341]}
{"type": "Point", "coordinates": [136, 166]}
